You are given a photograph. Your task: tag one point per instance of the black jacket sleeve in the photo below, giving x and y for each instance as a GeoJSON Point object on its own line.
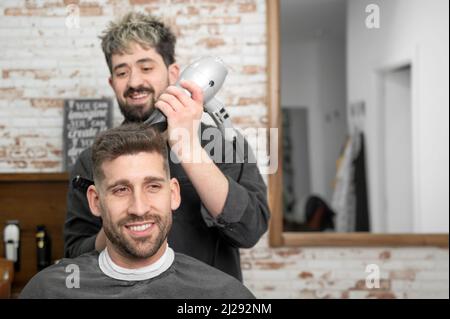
{"type": "Point", "coordinates": [246, 213]}
{"type": "Point", "coordinates": [81, 226]}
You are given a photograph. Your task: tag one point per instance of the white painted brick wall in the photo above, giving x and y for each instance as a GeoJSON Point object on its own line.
{"type": "Point", "coordinates": [42, 59]}
{"type": "Point", "coordinates": [330, 272]}
{"type": "Point", "coordinates": [43, 62]}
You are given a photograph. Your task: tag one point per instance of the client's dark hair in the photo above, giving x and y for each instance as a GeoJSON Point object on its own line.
{"type": "Point", "coordinates": [126, 139]}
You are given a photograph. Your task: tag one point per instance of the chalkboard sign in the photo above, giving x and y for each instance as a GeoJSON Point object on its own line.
{"type": "Point", "coordinates": [83, 120]}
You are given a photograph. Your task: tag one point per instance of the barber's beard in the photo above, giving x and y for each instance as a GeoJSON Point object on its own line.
{"type": "Point", "coordinates": [137, 248]}
{"type": "Point", "coordinates": [138, 113]}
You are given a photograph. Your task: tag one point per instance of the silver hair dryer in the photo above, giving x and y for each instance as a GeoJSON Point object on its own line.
{"type": "Point", "coordinates": [209, 73]}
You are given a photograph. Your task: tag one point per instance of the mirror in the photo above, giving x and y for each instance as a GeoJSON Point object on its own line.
{"type": "Point", "coordinates": [349, 169]}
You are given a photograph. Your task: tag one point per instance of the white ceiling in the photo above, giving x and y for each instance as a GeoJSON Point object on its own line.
{"type": "Point", "coordinates": [309, 19]}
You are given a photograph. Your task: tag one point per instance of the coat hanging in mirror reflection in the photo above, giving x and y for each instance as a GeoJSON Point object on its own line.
{"type": "Point", "coordinates": [350, 194]}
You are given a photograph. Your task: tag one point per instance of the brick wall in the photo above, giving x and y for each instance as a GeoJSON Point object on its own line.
{"type": "Point", "coordinates": [331, 272]}
{"type": "Point", "coordinates": [43, 62]}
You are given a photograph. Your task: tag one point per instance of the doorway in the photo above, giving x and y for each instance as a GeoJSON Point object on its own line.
{"type": "Point", "coordinates": [397, 149]}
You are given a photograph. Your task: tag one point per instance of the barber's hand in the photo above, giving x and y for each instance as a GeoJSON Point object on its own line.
{"type": "Point", "coordinates": [183, 113]}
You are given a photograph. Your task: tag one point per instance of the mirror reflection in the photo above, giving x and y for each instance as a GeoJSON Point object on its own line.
{"type": "Point", "coordinates": [356, 127]}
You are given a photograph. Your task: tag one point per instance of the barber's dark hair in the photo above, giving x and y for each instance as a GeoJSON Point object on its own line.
{"type": "Point", "coordinates": [144, 29]}
{"type": "Point", "coordinates": [127, 139]}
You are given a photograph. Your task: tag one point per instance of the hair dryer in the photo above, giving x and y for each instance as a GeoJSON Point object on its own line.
{"type": "Point", "coordinates": [209, 73]}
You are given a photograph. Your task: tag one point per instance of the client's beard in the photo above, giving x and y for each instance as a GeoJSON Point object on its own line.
{"type": "Point", "coordinates": [137, 249]}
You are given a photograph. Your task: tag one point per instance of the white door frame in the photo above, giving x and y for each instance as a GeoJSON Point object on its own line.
{"type": "Point", "coordinates": [413, 62]}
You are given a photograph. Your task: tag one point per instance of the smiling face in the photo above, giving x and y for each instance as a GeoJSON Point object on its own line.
{"type": "Point", "coordinates": [138, 78]}
{"type": "Point", "coordinates": [135, 200]}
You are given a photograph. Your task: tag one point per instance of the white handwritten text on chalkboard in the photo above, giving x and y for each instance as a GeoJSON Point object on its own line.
{"type": "Point", "coordinates": [83, 120]}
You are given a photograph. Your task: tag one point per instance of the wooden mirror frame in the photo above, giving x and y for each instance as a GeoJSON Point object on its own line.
{"type": "Point", "coordinates": [277, 237]}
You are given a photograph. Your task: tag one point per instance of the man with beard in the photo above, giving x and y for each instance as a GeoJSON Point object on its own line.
{"type": "Point", "coordinates": [224, 205]}
{"type": "Point", "coordinates": [135, 196]}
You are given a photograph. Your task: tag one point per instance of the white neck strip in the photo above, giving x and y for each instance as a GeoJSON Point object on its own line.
{"type": "Point", "coordinates": [111, 269]}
